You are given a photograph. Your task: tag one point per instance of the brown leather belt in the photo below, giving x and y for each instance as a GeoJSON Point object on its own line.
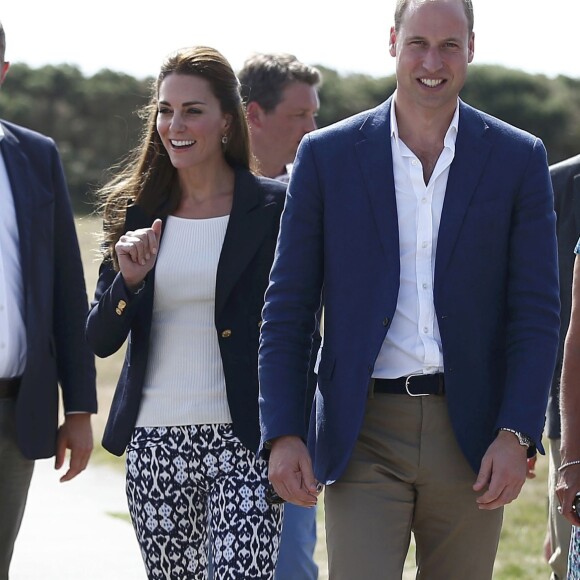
{"type": "Point", "coordinates": [9, 388]}
{"type": "Point", "coordinates": [415, 385]}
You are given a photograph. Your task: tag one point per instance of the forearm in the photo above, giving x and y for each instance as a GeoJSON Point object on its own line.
{"type": "Point", "coordinates": [570, 381]}
{"type": "Point", "coordinates": [570, 399]}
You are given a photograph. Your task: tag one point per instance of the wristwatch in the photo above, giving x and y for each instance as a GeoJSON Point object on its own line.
{"type": "Point", "coordinates": [525, 440]}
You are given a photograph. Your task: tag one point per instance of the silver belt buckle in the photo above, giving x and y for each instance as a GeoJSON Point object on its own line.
{"type": "Point", "coordinates": [409, 392]}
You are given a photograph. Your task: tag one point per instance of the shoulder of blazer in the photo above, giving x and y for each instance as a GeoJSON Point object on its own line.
{"type": "Point", "coordinates": [484, 124]}
{"type": "Point", "coordinates": [564, 170]}
{"type": "Point", "coordinates": [369, 121]}
{"type": "Point", "coordinates": [257, 190]}
{"type": "Point", "coordinates": [18, 135]}
{"type": "Point", "coordinates": [251, 191]}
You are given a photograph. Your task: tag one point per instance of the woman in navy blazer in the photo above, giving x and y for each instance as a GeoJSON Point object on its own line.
{"type": "Point", "coordinates": [186, 405]}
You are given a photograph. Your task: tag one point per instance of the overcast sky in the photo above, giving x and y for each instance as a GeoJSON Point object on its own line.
{"type": "Point", "coordinates": [133, 36]}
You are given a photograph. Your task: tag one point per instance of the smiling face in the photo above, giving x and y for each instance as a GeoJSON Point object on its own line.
{"type": "Point", "coordinates": [190, 121]}
{"type": "Point", "coordinates": [433, 47]}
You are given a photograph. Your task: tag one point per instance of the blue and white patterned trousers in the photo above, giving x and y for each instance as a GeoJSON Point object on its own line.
{"type": "Point", "coordinates": [574, 554]}
{"type": "Point", "coordinates": [194, 485]}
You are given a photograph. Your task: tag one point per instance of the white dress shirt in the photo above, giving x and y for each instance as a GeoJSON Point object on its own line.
{"type": "Point", "coordinates": [12, 330]}
{"type": "Point", "coordinates": [413, 343]}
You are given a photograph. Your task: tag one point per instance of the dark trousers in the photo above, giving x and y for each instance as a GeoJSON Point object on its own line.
{"type": "Point", "coordinates": [15, 475]}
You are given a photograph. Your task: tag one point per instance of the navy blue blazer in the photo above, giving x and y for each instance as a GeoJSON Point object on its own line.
{"type": "Point", "coordinates": [242, 278]}
{"type": "Point", "coordinates": [495, 284]}
{"type": "Point", "coordinates": [55, 298]}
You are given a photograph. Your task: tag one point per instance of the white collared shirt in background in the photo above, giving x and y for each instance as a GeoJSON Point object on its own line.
{"type": "Point", "coordinates": [413, 342]}
{"type": "Point", "coordinates": [12, 329]}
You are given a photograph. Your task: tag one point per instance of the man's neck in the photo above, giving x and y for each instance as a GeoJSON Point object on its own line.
{"type": "Point", "coordinates": [268, 167]}
{"type": "Point", "coordinates": [422, 129]}
{"type": "Point", "coordinates": [423, 132]}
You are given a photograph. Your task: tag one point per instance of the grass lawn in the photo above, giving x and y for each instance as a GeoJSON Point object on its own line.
{"type": "Point", "coordinates": [520, 552]}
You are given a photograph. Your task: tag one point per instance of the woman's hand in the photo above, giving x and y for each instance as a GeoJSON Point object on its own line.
{"type": "Point", "coordinates": [566, 489]}
{"type": "Point", "coordinates": [137, 253]}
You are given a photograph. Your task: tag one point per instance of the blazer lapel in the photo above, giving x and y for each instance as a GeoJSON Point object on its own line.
{"type": "Point", "coordinates": [136, 218]}
{"type": "Point", "coordinates": [471, 152]}
{"type": "Point", "coordinates": [375, 160]}
{"type": "Point", "coordinates": [250, 221]}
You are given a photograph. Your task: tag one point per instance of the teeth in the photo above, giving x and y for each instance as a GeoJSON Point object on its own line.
{"type": "Point", "coordinates": [182, 143]}
{"type": "Point", "coordinates": [431, 82]}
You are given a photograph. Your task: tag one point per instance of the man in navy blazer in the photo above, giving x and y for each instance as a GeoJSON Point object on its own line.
{"type": "Point", "coordinates": [430, 226]}
{"type": "Point", "coordinates": [43, 305]}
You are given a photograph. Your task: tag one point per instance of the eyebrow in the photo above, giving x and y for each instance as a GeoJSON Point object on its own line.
{"type": "Point", "coordinates": [421, 37]}
{"type": "Point", "coordinates": [185, 104]}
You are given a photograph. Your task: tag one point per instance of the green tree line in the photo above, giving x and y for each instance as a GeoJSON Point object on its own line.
{"type": "Point", "coordinates": [94, 119]}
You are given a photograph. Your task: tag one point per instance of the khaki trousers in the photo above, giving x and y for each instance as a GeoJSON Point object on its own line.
{"type": "Point", "coordinates": [559, 527]}
{"type": "Point", "coordinates": [408, 475]}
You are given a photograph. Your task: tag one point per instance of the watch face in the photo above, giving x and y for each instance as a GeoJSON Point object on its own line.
{"type": "Point", "coordinates": [524, 439]}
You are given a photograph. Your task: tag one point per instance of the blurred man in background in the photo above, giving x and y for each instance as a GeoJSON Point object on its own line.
{"type": "Point", "coordinates": [281, 96]}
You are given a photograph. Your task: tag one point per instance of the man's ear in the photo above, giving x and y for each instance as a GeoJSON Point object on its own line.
{"type": "Point", "coordinates": [471, 47]}
{"type": "Point", "coordinates": [255, 114]}
{"type": "Point", "coordinates": [393, 42]}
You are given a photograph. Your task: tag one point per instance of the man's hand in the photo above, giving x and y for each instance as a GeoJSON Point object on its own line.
{"type": "Point", "coordinates": [75, 434]}
{"type": "Point", "coordinates": [290, 471]}
{"type": "Point", "coordinates": [502, 473]}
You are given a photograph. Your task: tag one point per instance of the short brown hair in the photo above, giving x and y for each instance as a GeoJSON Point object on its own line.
{"type": "Point", "coordinates": [264, 77]}
{"type": "Point", "coordinates": [402, 5]}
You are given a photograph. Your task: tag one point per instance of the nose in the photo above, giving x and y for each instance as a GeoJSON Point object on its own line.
{"type": "Point", "coordinates": [176, 122]}
{"type": "Point", "coordinates": [432, 61]}
{"type": "Point", "coordinates": [309, 124]}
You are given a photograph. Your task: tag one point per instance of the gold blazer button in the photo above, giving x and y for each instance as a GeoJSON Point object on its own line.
{"type": "Point", "coordinates": [226, 333]}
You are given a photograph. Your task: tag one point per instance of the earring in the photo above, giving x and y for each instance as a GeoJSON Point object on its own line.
{"type": "Point", "coordinates": [225, 139]}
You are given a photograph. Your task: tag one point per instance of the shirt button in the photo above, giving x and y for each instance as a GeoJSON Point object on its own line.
{"type": "Point", "coordinates": [424, 286]}
{"type": "Point", "coordinates": [414, 162]}
{"type": "Point", "coordinates": [423, 200]}
{"type": "Point", "coordinates": [226, 333]}
{"type": "Point", "coordinates": [424, 244]}
{"type": "Point", "coordinates": [425, 330]}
